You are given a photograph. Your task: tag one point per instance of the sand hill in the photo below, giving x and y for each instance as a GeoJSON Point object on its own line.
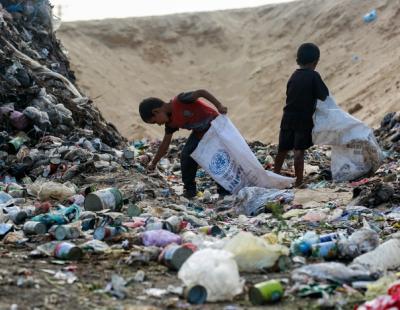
{"type": "Point", "coordinates": [244, 57]}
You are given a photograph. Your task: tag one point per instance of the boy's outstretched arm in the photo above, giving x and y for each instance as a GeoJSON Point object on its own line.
{"type": "Point", "coordinates": [206, 95]}
{"type": "Point", "coordinates": [162, 150]}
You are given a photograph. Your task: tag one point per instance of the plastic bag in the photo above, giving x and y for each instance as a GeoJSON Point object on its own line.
{"type": "Point", "coordinates": [216, 270]}
{"type": "Point", "coordinates": [57, 112]}
{"type": "Point", "coordinates": [47, 190]}
{"type": "Point", "coordinates": [334, 272]}
{"type": "Point", "coordinates": [355, 151]}
{"type": "Point", "coordinates": [160, 238]}
{"type": "Point", "coordinates": [361, 241]}
{"type": "Point", "coordinates": [384, 257]}
{"type": "Point", "coordinates": [226, 157]}
{"type": "Point", "coordinates": [251, 200]}
{"type": "Point", "coordinates": [254, 254]}
{"type": "Point", "coordinates": [39, 118]}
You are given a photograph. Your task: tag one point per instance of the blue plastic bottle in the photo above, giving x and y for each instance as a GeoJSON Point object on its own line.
{"type": "Point", "coordinates": [370, 16]}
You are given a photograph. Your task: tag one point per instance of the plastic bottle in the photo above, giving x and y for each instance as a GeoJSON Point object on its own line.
{"type": "Point", "coordinates": [303, 245]}
{"type": "Point", "coordinates": [72, 212]}
{"type": "Point", "coordinates": [327, 250]}
{"type": "Point", "coordinates": [50, 219]}
{"type": "Point", "coordinates": [4, 198]}
{"type": "Point", "coordinates": [361, 241]}
{"type": "Point", "coordinates": [370, 16]}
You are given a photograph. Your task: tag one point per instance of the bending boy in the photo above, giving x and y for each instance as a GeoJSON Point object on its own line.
{"type": "Point", "coordinates": [185, 111]}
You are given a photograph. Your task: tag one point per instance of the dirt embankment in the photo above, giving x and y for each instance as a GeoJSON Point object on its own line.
{"type": "Point", "coordinates": [244, 57]}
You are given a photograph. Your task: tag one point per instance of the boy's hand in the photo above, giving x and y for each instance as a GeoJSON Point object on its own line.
{"type": "Point", "coordinates": [222, 109]}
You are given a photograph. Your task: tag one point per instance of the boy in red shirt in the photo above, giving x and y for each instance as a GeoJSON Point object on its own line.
{"type": "Point", "coordinates": [185, 111]}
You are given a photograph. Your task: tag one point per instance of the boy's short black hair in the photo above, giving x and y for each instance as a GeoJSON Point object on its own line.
{"type": "Point", "coordinates": [307, 53]}
{"type": "Point", "coordinates": [147, 106]}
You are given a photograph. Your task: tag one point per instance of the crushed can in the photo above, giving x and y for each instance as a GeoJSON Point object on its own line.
{"type": "Point", "coordinates": [16, 215]}
{"type": "Point", "coordinates": [195, 295]}
{"type": "Point", "coordinates": [173, 256]}
{"type": "Point", "coordinates": [173, 224]}
{"type": "Point", "coordinates": [16, 191]}
{"type": "Point", "coordinates": [67, 251]}
{"type": "Point", "coordinates": [42, 207]}
{"type": "Point", "coordinates": [106, 232]}
{"type": "Point", "coordinates": [64, 232]}
{"type": "Point", "coordinates": [128, 154]}
{"type": "Point", "coordinates": [109, 198]}
{"type": "Point", "coordinates": [104, 157]}
{"type": "Point", "coordinates": [34, 228]}
{"type": "Point", "coordinates": [214, 231]}
{"type": "Point", "coordinates": [153, 223]}
{"type": "Point", "coordinates": [54, 163]}
{"type": "Point", "coordinates": [88, 224]}
{"type": "Point", "coordinates": [165, 192]}
{"type": "Point", "coordinates": [133, 210]}
{"type": "Point", "coordinates": [327, 250]}
{"type": "Point", "coordinates": [26, 180]}
{"type": "Point", "coordinates": [266, 292]}
{"type": "Point", "coordinates": [30, 211]}
{"type": "Point", "coordinates": [16, 143]}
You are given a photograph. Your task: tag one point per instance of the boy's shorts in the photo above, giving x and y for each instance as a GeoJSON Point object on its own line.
{"type": "Point", "coordinates": [290, 139]}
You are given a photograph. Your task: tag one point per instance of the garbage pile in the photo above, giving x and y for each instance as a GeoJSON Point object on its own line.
{"type": "Point", "coordinates": [389, 132]}
{"type": "Point", "coordinates": [37, 92]}
{"type": "Point", "coordinates": [257, 247]}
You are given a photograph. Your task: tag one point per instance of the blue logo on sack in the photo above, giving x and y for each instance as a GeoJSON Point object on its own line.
{"type": "Point", "coordinates": [220, 162]}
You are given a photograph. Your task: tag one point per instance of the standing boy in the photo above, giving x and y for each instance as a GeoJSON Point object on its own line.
{"type": "Point", "coordinates": [184, 111]}
{"type": "Point", "coordinates": [304, 87]}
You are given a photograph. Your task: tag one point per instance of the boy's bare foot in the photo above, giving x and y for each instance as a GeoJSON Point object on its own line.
{"type": "Point", "coordinates": [300, 184]}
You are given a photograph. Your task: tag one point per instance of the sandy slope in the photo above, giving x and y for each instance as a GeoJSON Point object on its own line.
{"type": "Point", "coordinates": [244, 57]}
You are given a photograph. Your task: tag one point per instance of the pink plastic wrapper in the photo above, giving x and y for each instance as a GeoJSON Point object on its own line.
{"type": "Point", "coordinates": [160, 238]}
{"type": "Point", "coordinates": [18, 120]}
{"type": "Point", "coordinates": [385, 302]}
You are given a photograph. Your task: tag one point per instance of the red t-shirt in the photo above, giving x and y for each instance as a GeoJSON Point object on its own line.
{"type": "Point", "coordinates": [190, 114]}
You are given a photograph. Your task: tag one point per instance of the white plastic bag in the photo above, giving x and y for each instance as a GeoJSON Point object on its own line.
{"type": "Point", "coordinates": [216, 270]}
{"type": "Point", "coordinates": [355, 151]}
{"type": "Point", "coordinates": [45, 190]}
{"type": "Point", "coordinates": [253, 254]}
{"type": "Point", "coordinates": [226, 157]}
{"type": "Point", "coordinates": [385, 257]}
